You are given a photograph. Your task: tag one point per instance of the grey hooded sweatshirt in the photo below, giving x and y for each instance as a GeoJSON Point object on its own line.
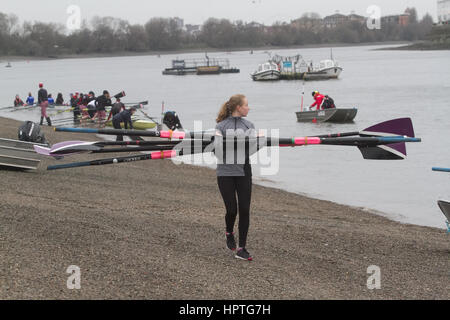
{"type": "Point", "coordinates": [233, 161]}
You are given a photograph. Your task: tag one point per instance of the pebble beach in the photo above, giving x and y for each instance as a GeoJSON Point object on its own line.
{"type": "Point", "coordinates": [155, 230]}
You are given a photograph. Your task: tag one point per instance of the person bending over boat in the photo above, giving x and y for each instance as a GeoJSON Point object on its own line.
{"type": "Point", "coordinates": [116, 108]}
{"type": "Point", "coordinates": [17, 101]}
{"type": "Point", "coordinates": [100, 103]}
{"type": "Point", "coordinates": [125, 117]}
{"type": "Point", "coordinates": [43, 103]}
{"type": "Point", "coordinates": [318, 99]}
{"type": "Point", "coordinates": [30, 99]}
{"type": "Point", "coordinates": [234, 176]}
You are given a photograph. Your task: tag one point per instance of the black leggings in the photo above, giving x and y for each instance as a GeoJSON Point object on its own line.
{"type": "Point", "coordinates": [229, 187]}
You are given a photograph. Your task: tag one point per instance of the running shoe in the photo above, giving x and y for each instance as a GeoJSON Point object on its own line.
{"type": "Point", "coordinates": [243, 254]}
{"type": "Point", "coordinates": [231, 243]}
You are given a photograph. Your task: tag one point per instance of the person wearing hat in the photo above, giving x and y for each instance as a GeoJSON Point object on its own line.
{"type": "Point", "coordinates": [125, 117]}
{"type": "Point", "coordinates": [318, 99]}
{"type": "Point", "coordinates": [43, 103]}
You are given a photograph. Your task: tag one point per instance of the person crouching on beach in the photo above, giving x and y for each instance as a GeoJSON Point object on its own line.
{"type": "Point", "coordinates": [234, 176]}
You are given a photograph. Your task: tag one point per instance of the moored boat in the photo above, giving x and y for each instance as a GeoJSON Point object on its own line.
{"type": "Point", "coordinates": [266, 71]}
{"type": "Point", "coordinates": [327, 69]}
{"type": "Point", "coordinates": [200, 67]}
{"type": "Point", "coordinates": [339, 115]}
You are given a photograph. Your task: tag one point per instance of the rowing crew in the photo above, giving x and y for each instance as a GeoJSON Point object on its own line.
{"type": "Point", "coordinates": [90, 107]}
{"type": "Point", "coordinates": [30, 100]}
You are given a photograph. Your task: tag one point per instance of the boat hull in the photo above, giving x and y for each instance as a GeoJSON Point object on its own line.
{"type": "Point", "coordinates": [18, 154]}
{"type": "Point", "coordinates": [137, 124]}
{"type": "Point", "coordinates": [267, 75]}
{"type": "Point", "coordinates": [339, 115]}
{"type": "Point", "coordinates": [445, 208]}
{"type": "Point", "coordinates": [329, 73]}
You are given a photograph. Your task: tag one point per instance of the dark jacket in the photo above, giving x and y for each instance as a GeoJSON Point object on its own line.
{"type": "Point", "coordinates": [42, 95]}
{"type": "Point", "coordinates": [101, 102]}
{"type": "Point", "coordinates": [125, 117]}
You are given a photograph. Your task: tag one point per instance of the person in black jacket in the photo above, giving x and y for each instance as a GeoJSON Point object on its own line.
{"type": "Point", "coordinates": [43, 103]}
{"type": "Point", "coordinates": [116, 108]}
{"type": "Point", "coordinates": [125, 117]}
{"type": "Point", "coordinates": [100, 103]}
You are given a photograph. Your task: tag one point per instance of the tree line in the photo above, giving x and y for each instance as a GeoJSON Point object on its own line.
{"type": "Point", "coordinates": [111, 35]}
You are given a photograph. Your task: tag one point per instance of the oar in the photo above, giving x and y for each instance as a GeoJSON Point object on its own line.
{"type": "Point", "coordinates": [71, 147]}
{"type": "Point", "coordinates": [128, 132]}
{"type": "Point", "coordinates": [146, 115]}
{"type": "Point", "coordinates": [137, 103]}
{"type": "Point", "coordinates": [398, 127]}
{"type": "Point", "coordinates": [163, 154]}
{"type": "Point", "coordinates": [440, 169]}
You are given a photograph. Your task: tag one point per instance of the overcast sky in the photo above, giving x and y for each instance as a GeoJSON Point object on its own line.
{"type": "Point", "coordinates": [197, 11]}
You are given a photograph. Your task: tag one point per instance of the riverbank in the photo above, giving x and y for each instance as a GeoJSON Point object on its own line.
{"type": "Point", "coordinates": [422, 46]}
{"type": "Point", "coordinates": [5, 59]}
{"type": "Point", "coordinates": [155, 230]}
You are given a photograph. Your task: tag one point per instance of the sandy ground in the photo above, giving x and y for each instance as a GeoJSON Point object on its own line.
{"type": "Point", "coordinates": [155, 230]}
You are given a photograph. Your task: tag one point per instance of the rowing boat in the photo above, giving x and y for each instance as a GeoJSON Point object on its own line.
{"type": "Point", "coordinates": [339, 115]}
{"type": "Point", "coordinates": [137, 124]}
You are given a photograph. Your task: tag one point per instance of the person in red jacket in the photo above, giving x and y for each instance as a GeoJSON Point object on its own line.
{"type": "Point", "coordinates": [318, 100]}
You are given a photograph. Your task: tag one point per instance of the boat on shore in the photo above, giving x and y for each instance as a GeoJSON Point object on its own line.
{"type": "Point", "coordinates": [267, 71]}
{"type": "Point", "coordinates": [18, 154]}
{"type": "Point", "coordinates": [339, 115]}
{"type": "Point", "coordinates": [138, 124]}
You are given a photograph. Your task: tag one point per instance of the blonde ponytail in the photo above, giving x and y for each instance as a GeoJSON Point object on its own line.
{"type": "Point", "coordinates": [230, 106]}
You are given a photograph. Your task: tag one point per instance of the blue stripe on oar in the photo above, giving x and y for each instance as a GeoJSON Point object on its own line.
{"type": "Point", "coordinates": [69, 165]}
{"type": "Point", "coordinates": [398, 139]}
{"type": "Point", "coordinates": [440, 169]}
{"type": "Point", "coordinates": [82, 130]}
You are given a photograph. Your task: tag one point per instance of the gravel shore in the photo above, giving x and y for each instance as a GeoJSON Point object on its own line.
{"type": "Point", "coordinates": [155, 230]}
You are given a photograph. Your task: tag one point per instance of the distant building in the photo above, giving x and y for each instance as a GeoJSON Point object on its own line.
{"type": "Point", "coordinates": [443, 11]}
{"type": "Point", "coordinates": [193, 29]}
{"type": "Point", "coordinates": [179, 22]}
{"type": "Point", "coordinates": [356, 17]}
{"type": "Point", "coordinates": [307, 23]}
{"type": "Point", "coordinates": [334, 20]}
{"type": "Point", "coordinates": [400, 19]}
{"type": "Point", "coordinates": [337, 19]}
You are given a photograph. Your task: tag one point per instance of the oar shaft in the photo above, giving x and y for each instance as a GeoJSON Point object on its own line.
{"type": "Point", "coordinates": [440, 169]}
{"type": "Point", "coordinates": [129, 132]}
{"type": "Point", "coordinates": [161, 154]}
